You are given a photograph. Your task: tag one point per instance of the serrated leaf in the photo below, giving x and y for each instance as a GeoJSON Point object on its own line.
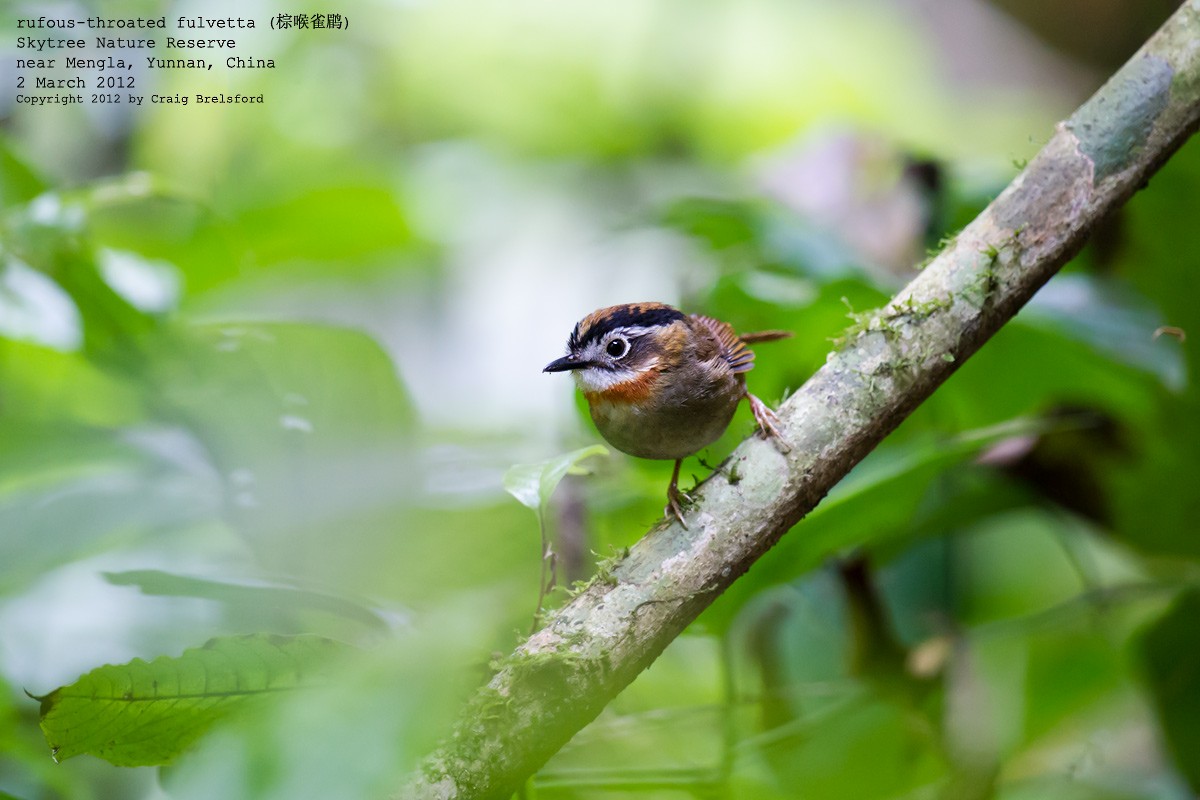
{"type": "Point", "coordinates": [533, 484]}
{"type": "Point", "coordinates": [146, 713]}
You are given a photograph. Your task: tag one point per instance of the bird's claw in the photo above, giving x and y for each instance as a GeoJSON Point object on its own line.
{"type": "Point", "coordinates": [676, 499]}
{"type": "Point", "coordinates": [768, 422]}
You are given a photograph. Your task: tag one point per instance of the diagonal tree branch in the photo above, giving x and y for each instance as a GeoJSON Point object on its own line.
{"type": "Point", "coordinates": [563, 675]}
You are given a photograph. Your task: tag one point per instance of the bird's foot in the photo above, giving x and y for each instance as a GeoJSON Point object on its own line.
{"type": "Point", "coordinates": [768, 423]}
{"type": "Point", "coordinates": [676, 500]}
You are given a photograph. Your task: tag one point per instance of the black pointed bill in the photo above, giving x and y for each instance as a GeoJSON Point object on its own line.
{"type": "Point", "coordinates": [566, 363]}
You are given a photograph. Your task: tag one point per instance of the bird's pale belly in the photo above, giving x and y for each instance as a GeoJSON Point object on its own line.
{"type": "Point", "coordinates": [667, 430]}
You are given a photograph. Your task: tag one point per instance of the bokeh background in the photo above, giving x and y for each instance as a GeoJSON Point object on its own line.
{"type": "Point", "coordinates": [264, 368]}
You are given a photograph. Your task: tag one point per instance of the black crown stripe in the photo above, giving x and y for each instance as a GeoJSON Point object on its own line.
{"type": "Point", "coordinates": [623, 317]}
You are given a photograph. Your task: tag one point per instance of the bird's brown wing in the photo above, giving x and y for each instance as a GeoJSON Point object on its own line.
{"type": "Point", "coordinates": [739, 357]}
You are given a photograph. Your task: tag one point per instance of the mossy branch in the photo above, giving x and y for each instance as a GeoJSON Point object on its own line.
{"type": "Point", "coordinates": [561, 677]}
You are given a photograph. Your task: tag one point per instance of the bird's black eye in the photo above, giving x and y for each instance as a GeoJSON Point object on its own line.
{"type": "Point", "coordinates": [617, 347]}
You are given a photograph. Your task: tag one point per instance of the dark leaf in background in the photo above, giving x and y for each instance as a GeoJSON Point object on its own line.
{"type": "Point", "coordinates": [1170, 651]}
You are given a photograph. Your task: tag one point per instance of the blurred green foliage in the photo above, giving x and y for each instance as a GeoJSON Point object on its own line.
{"type": "Point", "coordinates": [270, 367]}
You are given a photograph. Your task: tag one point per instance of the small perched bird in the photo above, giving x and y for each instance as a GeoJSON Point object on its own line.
{"type": "Point", "coordinates": [663, 384]}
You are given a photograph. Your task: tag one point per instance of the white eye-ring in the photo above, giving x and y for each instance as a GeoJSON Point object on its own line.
{"type": "Point", "coordinates": [618, 348]}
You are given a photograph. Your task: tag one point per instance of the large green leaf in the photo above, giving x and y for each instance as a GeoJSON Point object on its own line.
{"type": "Point", "coordinates": [146, 713]}
{"type": "Point", "coordinates": [308, 425]}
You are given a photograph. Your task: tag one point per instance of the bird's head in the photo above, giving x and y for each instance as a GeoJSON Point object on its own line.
{"type": "Point", "coordinates": [617, 345]}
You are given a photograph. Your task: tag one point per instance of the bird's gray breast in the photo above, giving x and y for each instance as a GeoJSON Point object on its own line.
{"type": "Point", "coordinates": [690, 411]}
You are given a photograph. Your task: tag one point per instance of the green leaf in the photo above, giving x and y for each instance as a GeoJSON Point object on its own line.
{"type": "Point", "coordinates": [166, 584]}
{"type": "Point", "coordinates": [142, 714]}
{"type": "Point", "coordinates": [532, 484]}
